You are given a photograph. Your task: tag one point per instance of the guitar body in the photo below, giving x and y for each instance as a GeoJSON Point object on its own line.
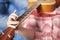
{"type": "Point", "coordinates": [47, 6]}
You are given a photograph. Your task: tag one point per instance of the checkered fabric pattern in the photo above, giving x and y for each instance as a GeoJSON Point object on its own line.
{"type": "Point", "coordinates": [47, 24]}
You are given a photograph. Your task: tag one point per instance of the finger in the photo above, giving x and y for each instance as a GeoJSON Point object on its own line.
{"type": "Point", "coordinates": [12, 18]}
{"type": "Point", "coordinates": [12, 22]}
{"type": "Point", "coordinates": [14, 15]}
{"type": "Point", "coordinates": [12, 26]}
{"type": "Point", "coordinates": [14, 11]}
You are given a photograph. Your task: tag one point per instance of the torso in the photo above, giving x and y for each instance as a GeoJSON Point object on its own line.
{"type": "Point", "coordinates": [47, 24]}
{"type": "Point", "coordinates": [49, 27]}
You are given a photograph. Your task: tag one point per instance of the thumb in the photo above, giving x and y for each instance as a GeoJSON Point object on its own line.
{"type": "Point", "coordinates": [14, 12]}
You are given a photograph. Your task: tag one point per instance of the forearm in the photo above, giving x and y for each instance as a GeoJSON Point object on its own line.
{"type": "Point", "coordinates": [29, 34]}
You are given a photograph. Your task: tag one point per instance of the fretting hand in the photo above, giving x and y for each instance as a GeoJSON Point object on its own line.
{"type": "Point", "coordinates": [12, 20]}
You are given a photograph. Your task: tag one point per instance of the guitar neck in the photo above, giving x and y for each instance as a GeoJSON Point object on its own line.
{"type": "Point", "coordinates": [28, 12]}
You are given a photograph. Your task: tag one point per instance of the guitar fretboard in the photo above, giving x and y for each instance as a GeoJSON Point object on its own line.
{"type": "Point", "coordinates": [28, 12]}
